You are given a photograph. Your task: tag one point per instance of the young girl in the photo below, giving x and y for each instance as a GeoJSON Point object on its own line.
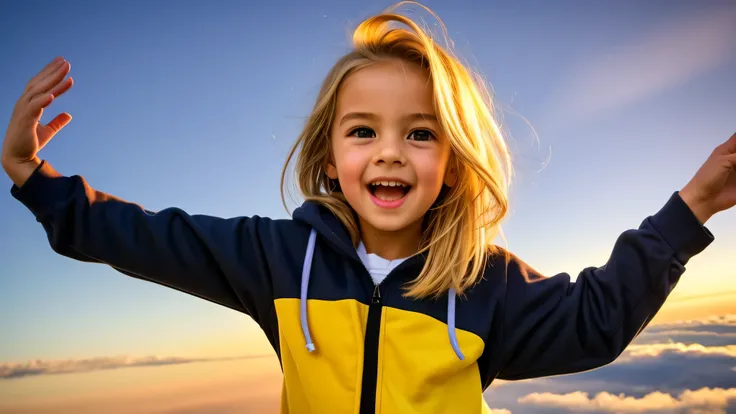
{"type": "Point", "coordinates": [384, 292]}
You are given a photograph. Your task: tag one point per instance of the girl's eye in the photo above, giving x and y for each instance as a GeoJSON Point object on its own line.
{"type": "Point", "coordinates": [421, 135]}
{"type": "Point", "coordinates": [362, 132]}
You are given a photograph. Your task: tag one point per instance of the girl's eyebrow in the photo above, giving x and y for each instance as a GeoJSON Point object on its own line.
{"type": "Point", "coordinates": [422, 117]}
{"type": "Point", "coordinates": [372, 116]}
{"type": "Point", "coordinates": [358, 115]}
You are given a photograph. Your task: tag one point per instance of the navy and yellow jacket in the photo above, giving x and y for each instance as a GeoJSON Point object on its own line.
{"type": "Point", "coordinates": [347, 346]}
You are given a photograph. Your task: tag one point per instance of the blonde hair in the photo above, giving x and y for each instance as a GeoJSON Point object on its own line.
{"type": "Point", "coordinates": [460, 227]}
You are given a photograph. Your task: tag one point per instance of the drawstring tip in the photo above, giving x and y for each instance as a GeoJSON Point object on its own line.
{"type": "Point", "coordinates": [305, 285]}
{"type": "Point", "coordinates": [456, 346]}
{"type": "Point", "coordinates": [451, 324]}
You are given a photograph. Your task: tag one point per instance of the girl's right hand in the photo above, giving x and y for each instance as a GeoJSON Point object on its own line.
{"type": "Point", "coordinates": [26, 135]}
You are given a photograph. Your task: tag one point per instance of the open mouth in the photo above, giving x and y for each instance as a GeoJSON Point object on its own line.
{"type": "Point", "coordinates": [389, 190]}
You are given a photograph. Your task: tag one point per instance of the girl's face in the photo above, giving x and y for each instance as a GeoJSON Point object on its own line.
{"type": "Point", "coordinates": [389, 152]}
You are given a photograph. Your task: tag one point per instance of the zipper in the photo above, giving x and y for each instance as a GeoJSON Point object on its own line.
{"type": "Point", "coordinates": [370, 355]}
{"type": "Point", "coordinates": [369, 383]}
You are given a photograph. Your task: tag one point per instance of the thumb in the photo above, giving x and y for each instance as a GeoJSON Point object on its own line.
{"type": "Point", "coordinates": [46, 132]}
{"type": "Point", "coordinates": [728, 147]}
{"type": "Point", "coordinates": [59, 122]}
{"type": "Point", "coordinates": [731, 158]}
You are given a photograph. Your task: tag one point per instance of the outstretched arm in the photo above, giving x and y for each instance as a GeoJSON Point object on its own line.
{"type": "Point", "coordinates": [554, 326]}
{"type": "Point", "coordinates": [214, 258]}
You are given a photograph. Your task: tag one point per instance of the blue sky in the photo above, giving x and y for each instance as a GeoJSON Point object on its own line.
{"type": "Point", "coordinates": [195, 105]}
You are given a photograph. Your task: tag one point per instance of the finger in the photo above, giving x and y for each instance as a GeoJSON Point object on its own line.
{"type": "Point", "coordinates": [732, 159]}
{"type": "Point", "coordinates": [45, 84]}
{"type": "Point", "coordinates": [33, 111]}
{"type": "Point", "coordinates": [46, 132]}
{"type": "Point", "coordinates": [728, 147]}
{"type": "Point", "coordinates": [51, 79]}
{"type": "Point", "coordinates": [731, 143]}
{"type": "Point", "coordinates": [45, 71]}
{"type": "Point", "coordinates": [64, 86]}
{"type": "Point", "coordinates": [59, 122]}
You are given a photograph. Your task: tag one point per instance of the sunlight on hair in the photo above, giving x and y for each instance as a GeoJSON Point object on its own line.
{"type": "Point", "coordinates": [461, 227]}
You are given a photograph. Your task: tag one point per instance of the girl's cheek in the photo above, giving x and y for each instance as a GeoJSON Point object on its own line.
{"type": "Point", "coordinates": [353, 164]}
{"type": "Point", "coordinates": [431, 171]}
{"type": "Point", "coordinates": [351, 170]}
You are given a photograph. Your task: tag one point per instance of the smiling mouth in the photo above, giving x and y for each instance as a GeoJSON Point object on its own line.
{"type": "Point", "coordinates": [389, 190]}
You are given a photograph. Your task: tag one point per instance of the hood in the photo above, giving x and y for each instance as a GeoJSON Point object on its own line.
{"type": "Point", "coordinates": [330, 228]}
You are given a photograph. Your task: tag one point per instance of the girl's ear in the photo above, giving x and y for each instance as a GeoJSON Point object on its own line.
{"type": "Point", "coordinates": [451, 173]}
{"type": "Point", "coordinates": [330, 168]}
{"type": "Point", "coordinates": [331, 171]}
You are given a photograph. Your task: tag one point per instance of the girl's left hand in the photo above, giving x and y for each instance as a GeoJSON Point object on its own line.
{"type": "Point", "coordinates": [713, 188]}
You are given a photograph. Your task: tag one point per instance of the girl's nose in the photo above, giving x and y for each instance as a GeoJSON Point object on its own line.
{"type": "Point", "coordinates": [390, 151]}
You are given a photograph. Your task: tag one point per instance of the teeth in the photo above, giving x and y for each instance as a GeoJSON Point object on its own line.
{"type": "Point", "coordinates": [388, 184]}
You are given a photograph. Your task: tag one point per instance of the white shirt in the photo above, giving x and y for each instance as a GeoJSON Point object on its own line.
{"type": "Point", "coordinates": [377, 266]}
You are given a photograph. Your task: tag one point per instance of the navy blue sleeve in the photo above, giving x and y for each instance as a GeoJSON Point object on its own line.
{"type": "Point", "coordinates": [554, 326]}
{"type": "Point", "coordinates": [220, 260]}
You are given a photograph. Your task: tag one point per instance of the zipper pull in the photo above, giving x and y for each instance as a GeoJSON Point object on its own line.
{"type": "Point", "coordinates": [376, 295]}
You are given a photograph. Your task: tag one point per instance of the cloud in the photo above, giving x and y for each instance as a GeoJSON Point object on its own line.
{"type": "Point", "coordinates": [636, 352]}
{"type": "Point", "coordinates": [245, 385]}
{"type": "Point", "coordinates": [706, 338]}
{"type": "Point", "coordinates": [671, 359]}
{"type": "Point", "coordinates": [500, 411]}
{"type": "Point", "coordinates": [704, 400]}
{"type": "Point", "coordinates": [728, 320]}
{"type": "Point", "coordinates": [713, 331]}
{"type": "Point", "coordinates": [52, 367]}
{"type": "Point", "coordinates": [667, 56]}
{"type": "Point", "coordinates": [671, 367]}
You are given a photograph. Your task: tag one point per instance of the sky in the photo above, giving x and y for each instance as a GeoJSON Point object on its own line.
{"type": "Point", "coordinates": [609, 107]}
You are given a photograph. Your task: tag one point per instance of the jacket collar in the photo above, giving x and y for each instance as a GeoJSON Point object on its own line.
{"type": "Point", "coordinates": [331, 229]}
